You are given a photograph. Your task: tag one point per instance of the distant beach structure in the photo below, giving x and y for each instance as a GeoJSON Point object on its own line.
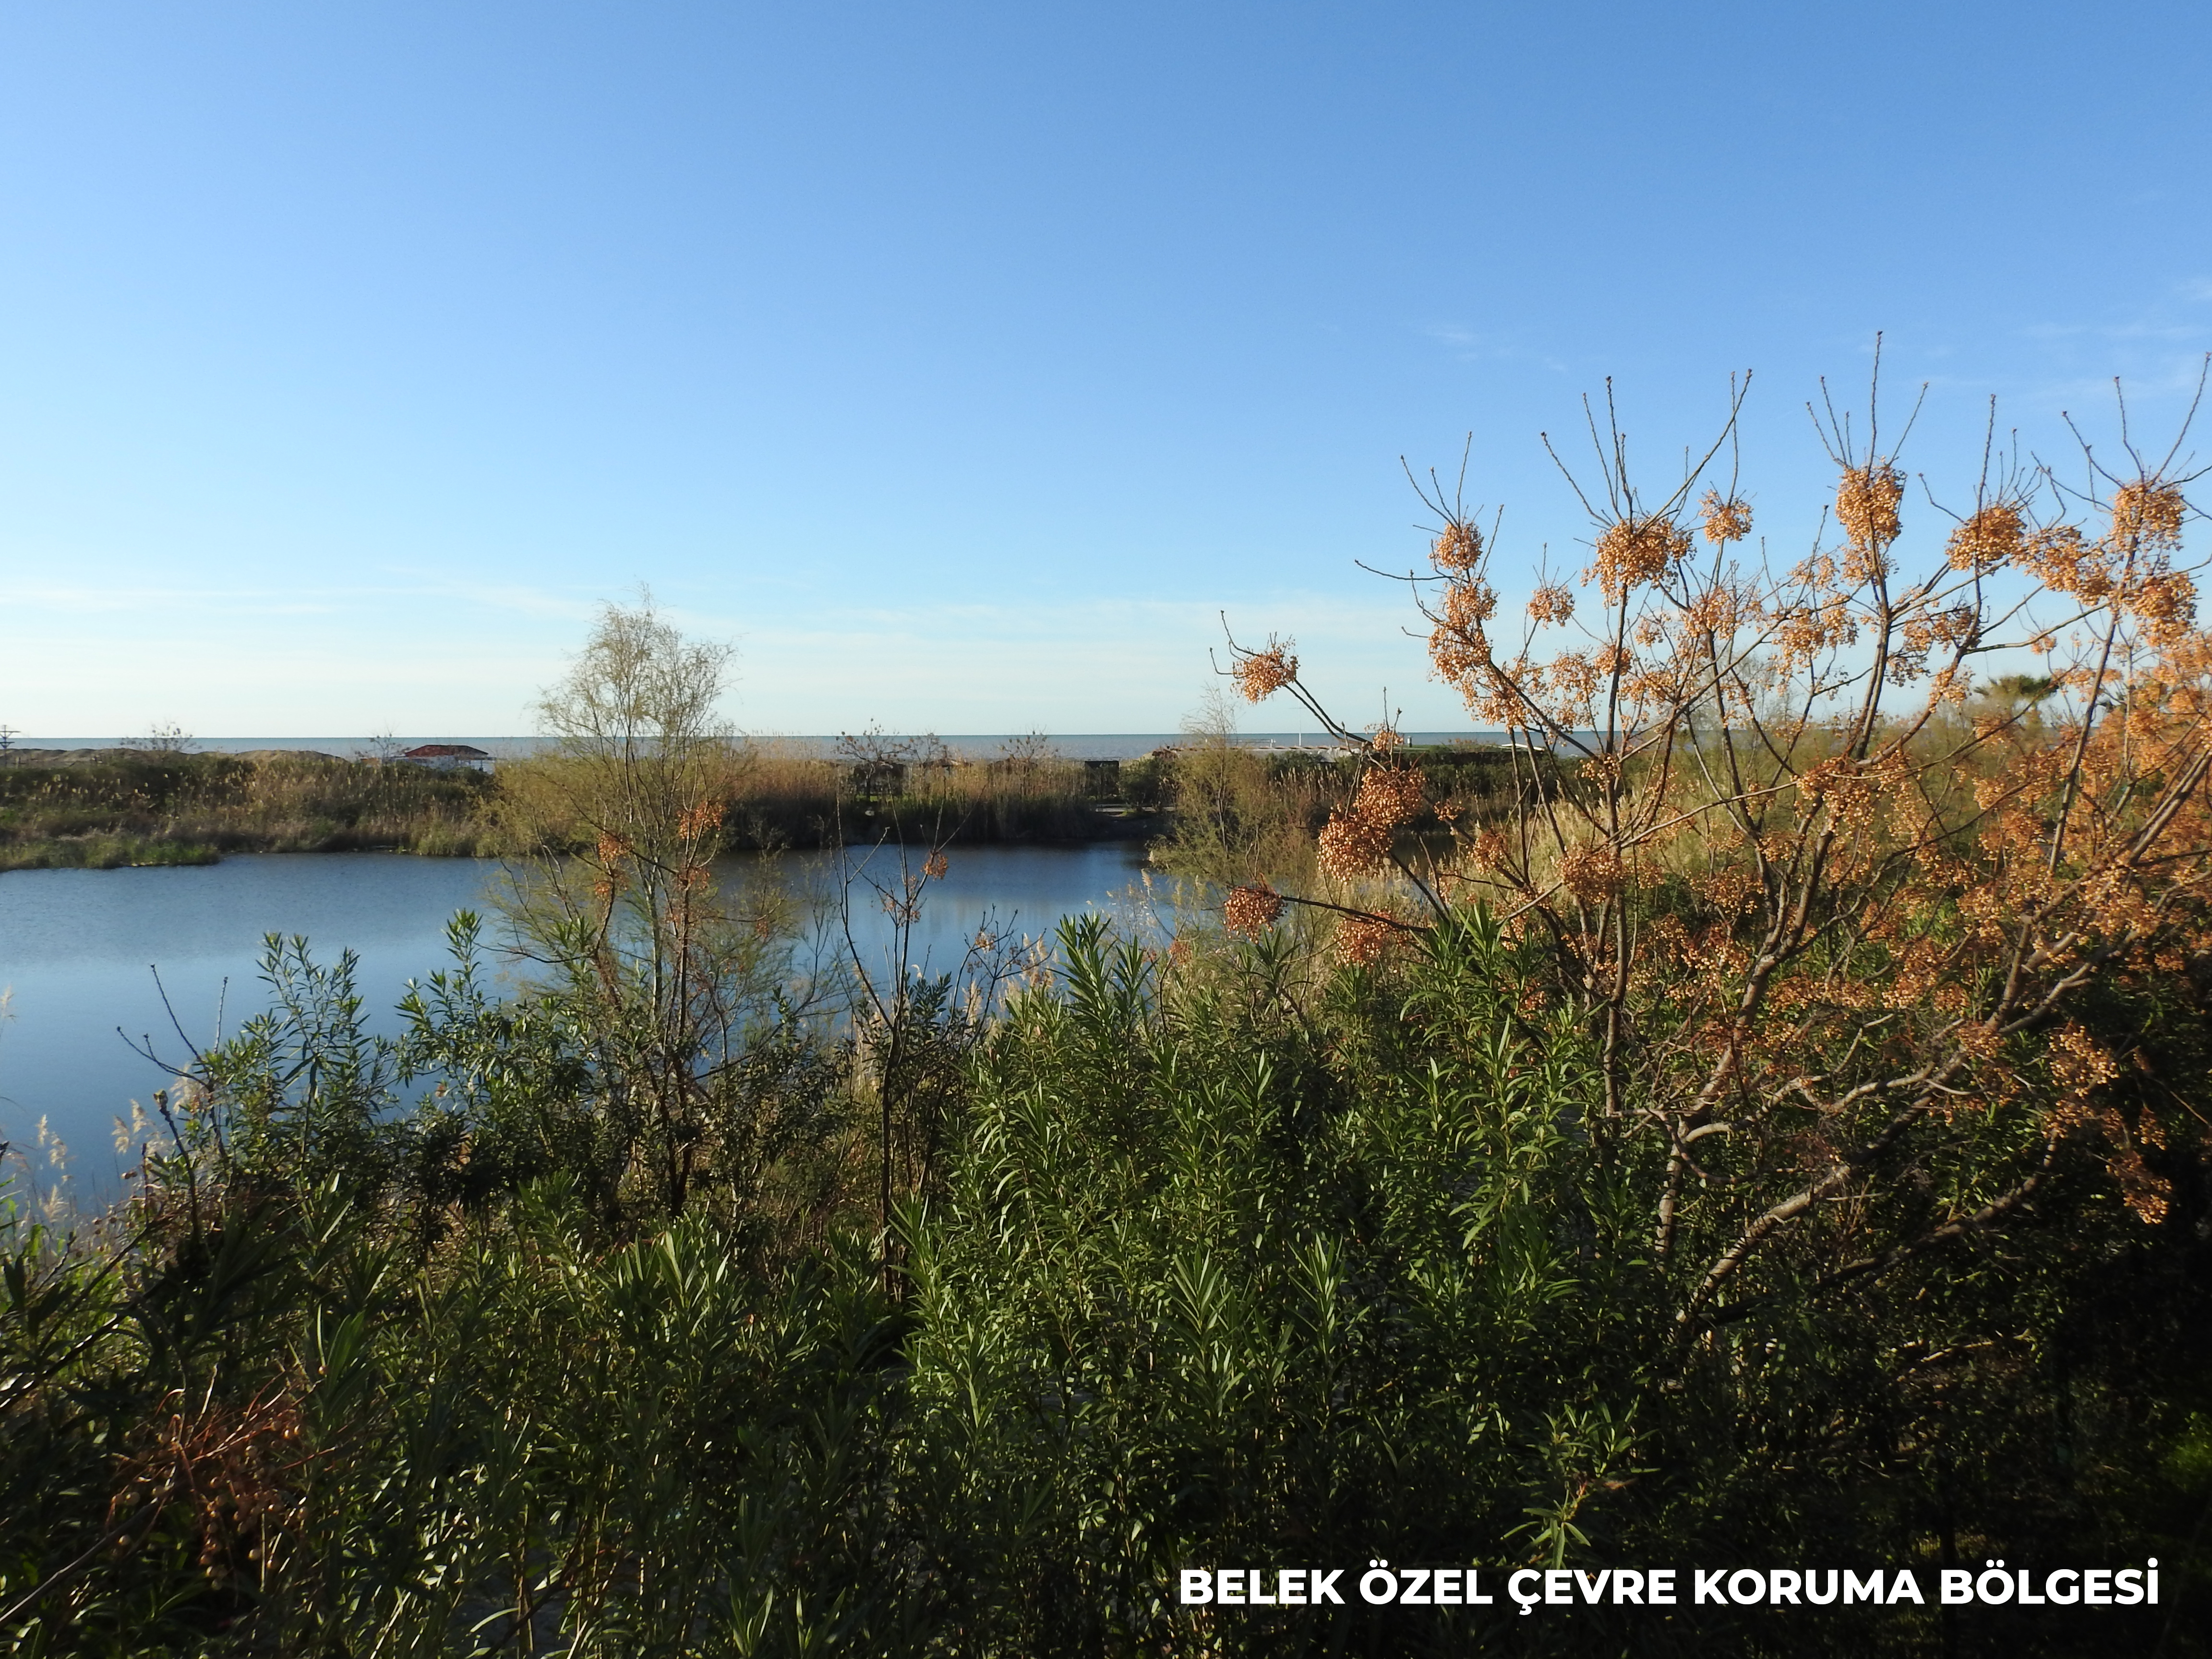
{"type": "Point", "coordinates": [449, 757]}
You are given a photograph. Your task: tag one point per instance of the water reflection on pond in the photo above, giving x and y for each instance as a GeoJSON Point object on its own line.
{"type": "Point", "coordinates": [75, 947]}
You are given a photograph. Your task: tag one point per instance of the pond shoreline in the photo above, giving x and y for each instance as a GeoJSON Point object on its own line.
{"type": "Point", "coordinates": [75, 951]}
{"type": "Point", "coordinates": [122, 852]}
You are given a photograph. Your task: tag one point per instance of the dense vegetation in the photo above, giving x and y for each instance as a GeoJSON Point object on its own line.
{"type": "Point", "coordinates": [166, 806]}
{"type": "Point", "coordinates": [105, 808]}
{"type": "Point", "coordinates": [1244, 1263]}
{"type": "Point", "coordinates": [1765, 1127]}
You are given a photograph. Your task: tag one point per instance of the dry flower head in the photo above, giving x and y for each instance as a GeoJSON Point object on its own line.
{"type": "Point", "coordinates": [1866, 500]}
{"type": "Point", "coordinates": [1251, 910]}
{"type": "Point", "coordinates": [1390, 795]}
{"type": "Point", "coordinates": [1458, 549]}
{"type": "Point", "coordinates": [1991, 538]}
{"type": "Point", "coordinates": [1633, 551]}
{"type": "Point", "coordinates": [1725, 519]}
{"type": "Point", "coordinates": [1263, 673]}
{"type": "Point", "coordinates": [1362, 940]}
{"type": "Point", "coordinates": [1551, 604]}
{"type": "Point", "coordinates": [1350, 845]}
{"type": "Point", "coordinates": [1592, 874]}
{"type": "Point", "coordinates": [2147, 512]}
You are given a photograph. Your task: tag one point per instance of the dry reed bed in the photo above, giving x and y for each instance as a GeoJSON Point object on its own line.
{"type": "Point", "coordinates": [128, 808]}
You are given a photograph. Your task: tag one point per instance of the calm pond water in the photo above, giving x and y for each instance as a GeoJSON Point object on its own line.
{"type": "Point", "coordinates": [77, 949]}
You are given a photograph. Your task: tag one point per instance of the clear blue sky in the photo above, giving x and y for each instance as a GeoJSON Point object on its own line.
{"type": "Point", "coordinates": [959, 363]}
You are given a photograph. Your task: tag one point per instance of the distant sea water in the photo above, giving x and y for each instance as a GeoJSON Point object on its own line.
{"type": "Point", "coordinates": [1078, 745]}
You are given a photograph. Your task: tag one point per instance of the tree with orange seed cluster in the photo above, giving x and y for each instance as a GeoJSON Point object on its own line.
{"type": "Point", "coordinates": [1825, 910]}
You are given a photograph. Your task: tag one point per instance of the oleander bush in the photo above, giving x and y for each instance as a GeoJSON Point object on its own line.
{"type": "Point", "coordinates": [1245, 1258]}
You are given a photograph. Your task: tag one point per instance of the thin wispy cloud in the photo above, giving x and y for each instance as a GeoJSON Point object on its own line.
{"type": "Point", "coordinates": [1471, 345]}
{"type": "Point", "coordinates": [2135, 331]}
{"type": "Point", "coordinates": [519, 598]}
{"type": "Point", "coordinates": [167, 602]}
